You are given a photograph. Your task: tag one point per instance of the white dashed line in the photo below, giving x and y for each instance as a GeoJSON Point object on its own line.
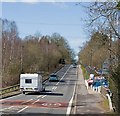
{"type": "Point", "coordinates": [43, 96]}
{"type": "Point", "coordinates": [35, 101]}
{"type": "Point", "coordinates": [39, 96]}
{"type": "Point", "coordinates": [63, 75]}
{"type": "Point", "coordinates": [22, 109]}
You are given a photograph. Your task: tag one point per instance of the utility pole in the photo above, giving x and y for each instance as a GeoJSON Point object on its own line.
{"type": "Point", "coordinates": [91, 62]}
{"type": "Point", "coordinates": [110, 52]}
{"type": "Point", "coordinates": [21, 61]}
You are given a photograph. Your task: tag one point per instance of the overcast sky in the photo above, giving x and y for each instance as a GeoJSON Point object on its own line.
{"type": "Point", "coordinates": [65, 18]}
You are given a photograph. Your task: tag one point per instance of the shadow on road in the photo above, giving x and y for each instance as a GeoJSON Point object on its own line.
{"type": "Point", "coordinates": [47, 92]}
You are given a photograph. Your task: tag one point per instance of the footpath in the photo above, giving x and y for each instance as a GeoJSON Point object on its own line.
{"type": "Point", "coordinates": [87, 101]}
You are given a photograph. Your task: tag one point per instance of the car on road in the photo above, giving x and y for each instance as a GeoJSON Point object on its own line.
{"type": "Point", "coordinates": [74, 65]}
{"type": "Point", "coordinates": [53, 78]}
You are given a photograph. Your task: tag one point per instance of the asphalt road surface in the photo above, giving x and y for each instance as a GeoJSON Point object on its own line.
{"type": "Point", "coordinates": [57, 98]}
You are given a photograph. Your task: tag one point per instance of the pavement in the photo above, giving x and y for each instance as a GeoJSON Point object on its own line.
{"type": "Point", "coordinates": [86, 100]}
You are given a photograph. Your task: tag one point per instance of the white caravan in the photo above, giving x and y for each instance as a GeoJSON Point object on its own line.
{"type": "Point", "coordinates": [31, 83]}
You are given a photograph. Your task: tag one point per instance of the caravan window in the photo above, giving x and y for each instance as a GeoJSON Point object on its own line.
{"type": "Point", "coordinates": [28, 80]}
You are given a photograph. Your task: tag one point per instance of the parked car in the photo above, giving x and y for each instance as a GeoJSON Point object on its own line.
{"type": "Point", "coordinates": [53, 77]}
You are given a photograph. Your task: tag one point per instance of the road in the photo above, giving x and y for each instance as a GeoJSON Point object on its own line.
{"type": "Point", "coordinates": [57, 98]}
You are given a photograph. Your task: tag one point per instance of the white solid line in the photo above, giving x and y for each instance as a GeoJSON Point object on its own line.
{"type": "Point", "coordinates": [35, 101]}
{"type": "Point", "coordinates": [22, 109]}
{"type": "Point", "coordinates": [70, 103]}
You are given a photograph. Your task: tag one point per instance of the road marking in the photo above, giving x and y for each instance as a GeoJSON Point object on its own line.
{"type": "Point", "coordinates": [63, 75]}
{"type": "Point", "coordinates": [6, 108]}
{"type": "Point", "coordinates": [51, 104]}
{"type": "Point", "coordinates": [75, 97]}
{"type": "Point", "coordinates": [70, 103]}
{"type": "Point", "coordinates": [55, 88]}
{"type": "Point", "coordinates": [57, 83]}
{"type": "Point", "coordinates": [35, 101]}
{"type": "Point", "coordinates": [27, 101]}
{"type": "Point", "coordinates": [22, 109]}
{"type": "Point", "coordinates": [39, 96]}
{"type": "Point", "coordinates": [44, 96]}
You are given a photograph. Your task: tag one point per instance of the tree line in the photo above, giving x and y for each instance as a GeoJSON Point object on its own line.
{"type": "Point", "coordinates": [30, 54]}
{"type": "Point", "coordinates": [104, 43]}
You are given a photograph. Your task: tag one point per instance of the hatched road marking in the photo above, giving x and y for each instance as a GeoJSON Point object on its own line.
{"type": "Point", "coordinates": [33, 104]}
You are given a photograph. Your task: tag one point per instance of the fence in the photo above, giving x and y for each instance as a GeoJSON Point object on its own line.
{"type": "Point", "coordinates": [5, 91]}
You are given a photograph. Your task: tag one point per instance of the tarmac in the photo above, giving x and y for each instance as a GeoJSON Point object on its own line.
{"type": "Point", "coordinates": [87, 101]}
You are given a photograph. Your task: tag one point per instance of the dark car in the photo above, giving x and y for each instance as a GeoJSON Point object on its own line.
{"type": "Point", "coordinates": [53, 77]}
{"type": "Point", "coordinates": [74, 66]}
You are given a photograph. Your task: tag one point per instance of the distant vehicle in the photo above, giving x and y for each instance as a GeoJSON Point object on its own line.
{"type": "Point", "coordinates": [31, 83]}
{"type": "Point", "coordinates": [74, 65]}
{"type": "Point", "coordinates": [53, 77]}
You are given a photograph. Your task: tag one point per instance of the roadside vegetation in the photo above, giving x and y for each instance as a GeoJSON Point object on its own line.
{"type": "Point", "coordinates": [104, 44]}
{"type": "Point", "coordinates": [33, 53]}
{"type": "Point", "coordinates": [85, 73]}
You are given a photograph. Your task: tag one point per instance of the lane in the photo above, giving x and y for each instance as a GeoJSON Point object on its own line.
{"type": "Point", "coordinates": [55, 100]}
{"type": "Point", "coordinates": [59, 97]}
{"type": "Point", "coordinates": [22, 98]}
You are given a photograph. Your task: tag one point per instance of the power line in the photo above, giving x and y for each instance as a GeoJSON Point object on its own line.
{"type": "Point", "coordinates": [41, 23]}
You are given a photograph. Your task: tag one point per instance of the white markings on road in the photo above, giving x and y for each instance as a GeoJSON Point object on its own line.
{"type": "Point", "coordinates": [63, 75]}
{"type": "Point", "coordinates": [6, 108]}
{"type": "Point", "coordinates": [23, 109]}
{"type": "Point", "coordinates": [70, 103]}
{"type": "Point", "coordinates": [54, 88]}
{"type": "Point", "coordinates": [35, 101]}
{"type": "Point", "coordinates": [43, 96]}
{"type": "Point", "coordinates": [39, 96]}
{"type": "Point", "coordinates": [51, 104]}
